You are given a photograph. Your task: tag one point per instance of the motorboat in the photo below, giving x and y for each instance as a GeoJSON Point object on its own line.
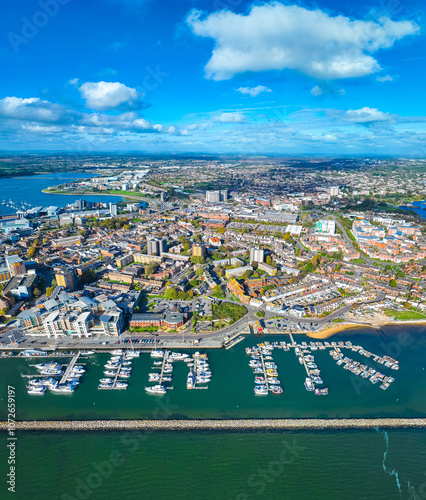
{"type": "Point", "coordinates": [157, 354]}
{"type": "Point", "coordinates": [37, 390]}
{"type": "Point", "coordinates": [66, 388]}
{"type": "Point", "coordinates": [321, 392]}
{"type": "Point", "coordinates": [156, 389]}
{"type": "Point", "coordinates": [190, 381]}
{"type": "Point", "coordinates": [178, 356]}
{"type": "Point", "coordinates": [260, 390]}
{"type": "Point", "coordinates": [309, 385]}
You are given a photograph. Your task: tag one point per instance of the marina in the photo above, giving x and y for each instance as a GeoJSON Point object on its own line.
{"type": "Point", "coordinates": [231, 386]}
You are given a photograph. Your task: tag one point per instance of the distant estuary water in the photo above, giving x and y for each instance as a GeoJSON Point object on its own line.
{"type": "Point", "coordinates": [15, 191]}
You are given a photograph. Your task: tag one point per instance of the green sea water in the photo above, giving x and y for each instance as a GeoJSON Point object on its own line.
{"type": "Point", "coordinates": [348, 465]}
{"type": "Point", "coordinates": [230, 393]}
{"type": "Point", "coordinates": [361, 464]}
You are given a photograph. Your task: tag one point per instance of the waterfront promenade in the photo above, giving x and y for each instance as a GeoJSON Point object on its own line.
{"type": "Point", "coordinates": [223, 425]}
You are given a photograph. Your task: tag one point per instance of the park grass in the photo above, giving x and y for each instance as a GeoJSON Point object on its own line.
{"type": "Point", "coordinates": [405, 315]}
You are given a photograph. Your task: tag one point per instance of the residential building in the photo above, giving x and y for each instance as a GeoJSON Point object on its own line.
{"type": "Point", "coordinates": [257, 255]}
{"type": "Point", "coordinates": [66, 277]}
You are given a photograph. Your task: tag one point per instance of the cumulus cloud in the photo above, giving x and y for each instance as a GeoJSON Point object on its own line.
{"type": "Point", "coordinates": [253, 91]}
{"type": "Point", "coordinates": [32, 108]}
{"type": "Point", "coordinates": [367, 115]}
{"type": "Point", "coordinates": [385, 78]}
{"type": "Point", "coordinates": [276, 37]}
{"type": "Point", "coordinates": [230, 118]}
{"type": "Point", "coordinates": [44, 117]}
{"type": "Point", "coordinates": [107, 95]}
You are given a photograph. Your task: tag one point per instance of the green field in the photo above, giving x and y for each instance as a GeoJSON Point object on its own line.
{"type": "Point", "coordinates": [405, 315]}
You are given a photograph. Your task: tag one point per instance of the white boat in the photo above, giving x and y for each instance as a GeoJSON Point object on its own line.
{"type": "Point", "coordinates": [37, 390]}
{"type": "Point", "coordinates": [67, 388]}
{"type": "Point", "coordinates": [273, 381]}
{"type": "Point", "coordinates": [78, 369]}
{"type": "Point", "coordinates": [87, 353]}
{"type": "Point", "coordinates": [156, 389]}
{"type": "Point", "coordinates": [124, 375]}
{"type": "Point", "coordinates": [190, 381]}
{"type": "Point", "coordinates": [157, 354]}
{"type": "Point", "coordinates": [47, 366]}
{"type": "Point", "coordinates": [260, 390]}
{"type": "Point", "coordinates": [119, 352]}
{"type": "Point", "coordinates": [110, 373]}
{"type": "Point", "coordinates": [309, 385]}
{"type": "Point", "coordinates": [105, 385]}
{"type": "Point", "coordinates": [178, 356]}
{"type": "Point", "coordinates": [105, 380]}
{"type": "Point", "coordinates": [133, 354]}
{"type": "Point", "coordinates": [51, 371]}
{"type": "Point", "coordinates": [276, 389]}
{"type": "Point", "coordinates": [121, 385]}
{"type": "Point", "coordinates": [158, 363]}
{"type": "Point", "coordinates": [154, 377]}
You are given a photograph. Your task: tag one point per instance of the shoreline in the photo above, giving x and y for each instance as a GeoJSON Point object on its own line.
{"type": "Point", "coordinates": [329, 332]}
{"type": "Point", "coordinates": [213, 425]}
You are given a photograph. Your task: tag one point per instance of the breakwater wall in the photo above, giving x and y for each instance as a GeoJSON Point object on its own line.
{"type": "Point", "coordinates": [215, 425]}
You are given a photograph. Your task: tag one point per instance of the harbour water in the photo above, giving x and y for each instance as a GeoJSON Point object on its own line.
{"type": "Point", "coordinates": [29, 190]}
{"type": "Point", "coordinates": [313, 465]}
{"type": "Point", "coordinates": [230, 393]}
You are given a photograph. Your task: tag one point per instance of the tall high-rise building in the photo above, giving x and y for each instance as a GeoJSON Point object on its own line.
{"type": "Point", "coordinates": [15, 265]}
{"type": "Point", "coordinates": [66, 277]}
{"type": "Point", "coordinates": [216, 196]}
{"type": "Point", "coordinates": [334, 190]}
{"type": "Point", "coordinates": [224, 195]}
{"type": "Point", "coordinates": [156, 246]}
{"type": "Point", "coordinates": [257, 255]}
{"type": "Point", "coordinates": [153, 247]}
{"type": "Point", "coordinates": [113, 209]}
{"type": "Point", "coordinates": [212, 196]}
{"type": "Point", "coordinates": [198, 250]}
{"type": "Point", "coordinates": [163, 245]}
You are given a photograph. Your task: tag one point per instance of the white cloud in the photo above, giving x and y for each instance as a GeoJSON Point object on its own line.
{"type": "Point", "coordinates": [275, 37]}
{"type": "Point", "coordinates": [73, 81]}
{"type": "Point", "coordinates": [366, 115]}
{"type": "Point", "coordinates": [317, 91]}
{"type": "Point", "coordinates": [107, 95]}
{"type": "Point", "coordinates": [253, 91]}
{"type": "Point", "coordinates": [32, 108]}
{"type": "Point", "coordinates": [230, 118]}
{"type": "Point", "coordinates": [386, 78]}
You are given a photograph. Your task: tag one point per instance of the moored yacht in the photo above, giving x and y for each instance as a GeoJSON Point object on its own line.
{"type": "Point", "coordinates": [156, 389]}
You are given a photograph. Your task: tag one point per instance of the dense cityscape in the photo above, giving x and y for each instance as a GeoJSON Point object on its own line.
{"type": "Point", "coordinates": [191, 250]}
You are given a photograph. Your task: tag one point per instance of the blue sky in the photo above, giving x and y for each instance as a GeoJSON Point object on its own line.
{"type": "Point", "coordinates": [219, 76]}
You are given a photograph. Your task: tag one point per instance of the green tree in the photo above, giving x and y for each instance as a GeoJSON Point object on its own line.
{"type": "Point", "coordinates": [199, 271]}
{"type": "Point", "coordinates": [89, 276]}
{"type": "Point", "coordinates": [197, 259]}
{"type": "Point", "coordinates": [393, 283]}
